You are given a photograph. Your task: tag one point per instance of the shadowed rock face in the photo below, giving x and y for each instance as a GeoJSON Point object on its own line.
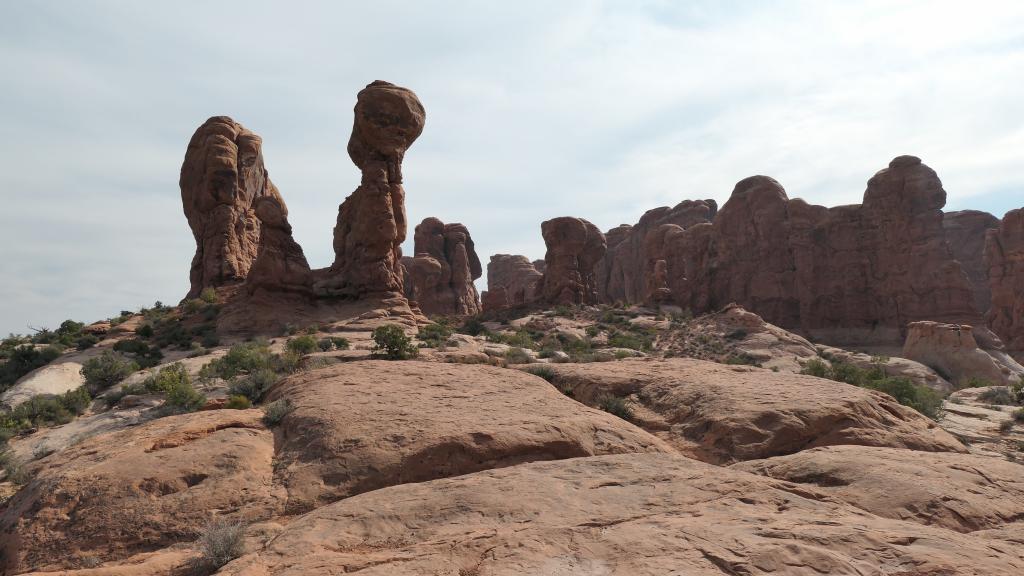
{"type": "Point", "coordinates": [440, 277]}
{"type": "Point", "coordinates": [280, 264]}
{"type": "Point", "coordinates": [1004, 257]}
{"type": "Point", "coordinates": [965, 234]}
{"type": "Point", "coordinates": [512, 280]}
{"type": "Point", "coordinates": [371, 221]}
{"type": "Point", "coordinates": [574, 247]}
{"type": "Point", "coordinates": [221, 178]}
{"type": "Point", "coordinates": [849, 273]}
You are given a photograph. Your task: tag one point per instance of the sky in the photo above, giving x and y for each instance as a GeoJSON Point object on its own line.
{"type": "Point", "coordinates": [535, 109]}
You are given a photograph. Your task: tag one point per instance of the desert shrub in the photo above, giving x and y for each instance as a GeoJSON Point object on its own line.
{"type": "Point", "coordinates": [106, 370]}
{"type": "Point", "coordinates": [975, 382]}
{"type": "Point", "coordinates": [517, 355]}
{"type": "Point", "coordinates": [305, 344]}
{"type": "Point", "coordinates": [520, 339]}
{"type": "Point", "coordinates": [333, 343]}
{"type": "Point", "coordinates": [848, 373]}
{"type": "Point", "coordinates": [86, 341]}
{"type": "Point", "coordinates": [238, 402]}
{"type": "Point", "coordinates": [220, 542]}
{"type": "Point", "coordinates": [544, 372]}
{"type": "Point", "coordinates": [166, 379]}
{"type": "Point", "coordinates": [44, 410]}
{"type": "Point", "coordinates": [630, 340]}
{"type": "Point", "coordinates": [816, 367]}
{"type": "Point", "coordinates": [472, 326]}
{"type": "Point", "coordinates": [998, 395]}
{"type": "Point", "coordinates": [145, 331]}
{"type": "Point", "coordinates": [275, 412]}
{"type": "Point", "coordinates": [616, 406]}
{"type": "Point", "coordinates": [1006, 426]}
{"type": "Point", "coordinates": [1017, 389]}
{"type": "Point", "coordinates": [14, 471]}
{"type": "Point", "coordinates": [24, 359]}
{"type": "Point", "coordinates": [592, 331]}
{"type": "Point", "coordinates": [1018, 415]}
{"type": "Point", "coordinates": [145, 356]}
{"type": "Point", "coordinates": [920, 398]}
{"type": "Point", "coordinates": [209, 295]}
{"type": "Point", "coordinates": [254, 385]}
{"type": "Point", "coordinates": [564, 311]}
{"type": "Point", "coordinates": [182, 397]}
{"type": "Point", "coordinates": [114, 396]}
{"type": "Point", "coordinates": [244, 358]}
{"type": "Point", "coordinates": [391, 343]}
{"type": "Point", "coordinates": [434, 335]}
{"type": "Point", "coordinates": [742, 359]}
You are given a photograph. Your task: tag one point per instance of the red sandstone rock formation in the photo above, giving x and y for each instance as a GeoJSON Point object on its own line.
{"type": "Point", "coordinates": [512, 280]}
{"type": "Point", "coordinates": [953, 351]}
{"type": "Point", "coordinates": [371, 221]}
{"type": "Point", "coordinates": [574, 247]}
{"type": "Point", "coordinates": [1004, 257]}
{"type": "Point", "coordinates": [221, 178]}
{"type": "Point", "coordinates": [848, 273]}
{"type": "Point", "coordinates": [624, 273]}
{"type": "Point", "coordinates": [280, 265]}
{"type": "Point", "coordinates": [965, 234]}
{"type": "Point", "coordinates": [440, 277]}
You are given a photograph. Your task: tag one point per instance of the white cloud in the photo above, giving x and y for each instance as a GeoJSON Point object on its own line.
{"type": "Point", "coordinates": [534, 110]}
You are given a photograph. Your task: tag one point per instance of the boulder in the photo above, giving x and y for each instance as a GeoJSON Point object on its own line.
{"type": "Point", "coordinates": [961, 492]}
{"type": "Point", "coordinates": [1004, 258]}
{"type": "Point", "coordinates": [642, 515]}
{"type": "Point", "coordinates": [722, 414]}
{"type": "Point", "coordinates": [361, 426]}
{"type": "Point", "coordinates": [952, 351]}
{"type": "Point", "coordinates": [371, 221]}
{"type": "Point", "coordinates": [574, 247]}
{"type": "Point", "coordinates": [221, 178]}
{"type": "Point", "coordinates": [512, 280]}
{"type": "Point", "coordinates": [140, 490]}
{"type": "Point", "coordinates": [440, 277]}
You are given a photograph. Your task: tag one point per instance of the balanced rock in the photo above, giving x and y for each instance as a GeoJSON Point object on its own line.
{"type": "Point", "coordinates": [280, 263]}
{"type": "Point", "coordinates": [722, 414]}
{"type": "Point", "coordinates": [221, 178]}
{"type": "Point", "coordinates": [574, 247]}
{"type": "Point", "coordinates": [953, 351]}
{"type": "Point", "coordinates": [371, 221]}
{"type": "Point", "coordinates": [512, 280]}
{"type": "Point", "coordinates": [440, 277]}
{"type": "Point", "coordinates": [1004, 257]}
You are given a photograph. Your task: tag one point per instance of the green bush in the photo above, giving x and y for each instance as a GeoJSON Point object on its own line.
{"type": "Point", "coordinates": [106, 370]}
{"type": "Point", "coordinates": [434, 335]}
{"type": "Point", "coordinates": [244, 358]}
{"type": "Point", "coordinates": [544, 372]}
{"type": "Point", "coordinates": [472, 326]}
{"type": "Point", "coordinates": [44, 410]}
{"type": "Point", "coordinates": [616, 406]}
{"type": "Point", "coordinates": [14, 471]}
{"type": "Point", "coordinates": [1018, 415]}
{"type": "Point", "coordinates": [630, 340]}
{"type": "Point", "coordinates": [333, 343]}
{"type": "Point", "coordinates": [391, 343]}
{"type": "Point", "coordinates": [24, 359]}
{"type": "Point", "coordinates": [302, 345]}
{"type": "Point", "coordinates": [86, 341]}
{"type": "Point", "coordinates": [1017, 389]}
{"type": "Point", "coordinates": [1006, 426]}
{"type": "Point", "coordinates": [999, 395]}
{"type": "Point", "coordinates": [167, 378]}
{"type": "Point", "coordinates": [253, 386]}
{"type": "Point", "coordinates": [209, 295]}
{"type": "Point", "coordinates": [816, 367]}
{"type": "Point", "coordinates": [274, 413]}
{"type": "Point", "coordinates": [184, 398]}
{"type": "Point", "coordinates": [742, 359]}
{"type": "Point", "coordinates": [920, 398]}
{"type": "Point", "coordinates": [238, 402]}
{"type": "Point", "coordinates": [145, 356]}
{"type": "Point", "coordinates": [975, 382]}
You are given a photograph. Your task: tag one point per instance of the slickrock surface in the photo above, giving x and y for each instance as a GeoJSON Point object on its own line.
{"type": "Point", "coordinates": [371, 221]}
{"type": "Point", "coordinates": [221, 178]}
{"type": "Point", "coordinates": [623, 275]}
{"type": "Point", "coordinates": [512, 280]}
{"type": "Point", "coordinates": [141, 489]}
{"type": "Point", "coordinates": [361, 426]}
{"type": "Point", "coordinates": [574, 247]}
{"type": "Point", "coordinates": [961, 492]}
{"type": "Point", "coordinates": [965, 233]}
{"type": "Point", "coordinates": [1004, 258]}
{"type": "Point", "coordinates": [951, 349]}
{"type": "Point", "coordinates": [631, 514]}
{"type": "Point", "coordinates": [50, 379]}
{"type": "Point", "coordinates": [723, 414]}
{"type": "Point", "coordinates": [440, 277]}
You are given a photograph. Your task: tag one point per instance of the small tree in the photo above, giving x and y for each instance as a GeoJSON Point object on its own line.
{"type": "Point", "coordinates": [391, 343]}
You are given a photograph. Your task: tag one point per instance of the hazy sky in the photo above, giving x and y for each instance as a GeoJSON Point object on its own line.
{"type": "Point", "coordinates": [534, 110]}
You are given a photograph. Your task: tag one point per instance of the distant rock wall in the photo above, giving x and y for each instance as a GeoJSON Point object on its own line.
{"type": "Point", "coordinates": [440, 277]}
{"type": "Point", "coordinates": [965, 233]}
{"type": "Point", "coordinates": [574, 247]}
{"type": "Point", "coordinates": [1004, 257]}
{"type": "Point", "coordinates": [512, 280]}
